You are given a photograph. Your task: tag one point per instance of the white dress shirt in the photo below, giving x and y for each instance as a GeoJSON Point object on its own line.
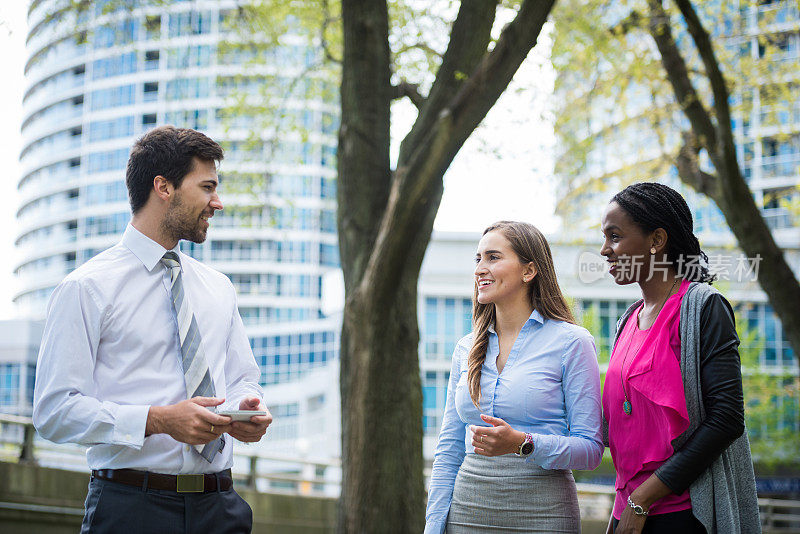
{"type": "Point", "coordinates": [110, 350]}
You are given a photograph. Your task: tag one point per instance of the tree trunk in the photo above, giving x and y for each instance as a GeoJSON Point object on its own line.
{"type": "Point", "coordinates": [728, 188]}
{"type": "Point", "coordinates": [382, 488]}
{"type": "Point", "coordinates": [385, 222]}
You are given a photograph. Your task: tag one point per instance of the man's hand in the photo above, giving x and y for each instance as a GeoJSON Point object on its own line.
{"type": "Point", "coordinates": [255, 429]}
{"type": "Point", "coordinates": [188, 421]}
{"type": "Point", "coordinates": [497, 439]}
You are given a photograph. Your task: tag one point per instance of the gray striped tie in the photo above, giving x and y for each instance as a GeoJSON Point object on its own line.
{"type": "Point", "coordinates": [196, 373]}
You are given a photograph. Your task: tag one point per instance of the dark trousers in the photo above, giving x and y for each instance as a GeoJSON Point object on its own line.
{"type": "Point", "coordinates": [683, 522]}
{"type": "Point", "coordinates": [113, 508]}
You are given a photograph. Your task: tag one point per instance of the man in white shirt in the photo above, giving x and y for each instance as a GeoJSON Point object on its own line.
{"type": "Point", "coordinates": [142, 346]}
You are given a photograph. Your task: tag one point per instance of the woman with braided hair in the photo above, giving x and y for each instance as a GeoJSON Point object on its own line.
{"type": "Point", "coordinates": [523, 400]}
{"type": "Point", "coordinates": [672, 399]}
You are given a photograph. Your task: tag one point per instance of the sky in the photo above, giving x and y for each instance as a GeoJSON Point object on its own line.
{"type": "Point", "coordinates": [504, 171]}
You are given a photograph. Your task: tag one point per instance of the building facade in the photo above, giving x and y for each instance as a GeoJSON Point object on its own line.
{"type": "Point", "coordinates": [617, 122]}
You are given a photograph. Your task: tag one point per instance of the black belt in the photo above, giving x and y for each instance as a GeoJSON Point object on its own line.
{"type": "Point", "coordinates": [179, 483]}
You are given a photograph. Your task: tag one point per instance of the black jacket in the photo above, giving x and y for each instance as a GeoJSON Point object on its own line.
{"type": "Point", "coordinates": [721, 385]}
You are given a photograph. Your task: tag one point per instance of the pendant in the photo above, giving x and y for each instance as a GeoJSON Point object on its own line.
{"type": "Point", "coordinates": [626, 407]}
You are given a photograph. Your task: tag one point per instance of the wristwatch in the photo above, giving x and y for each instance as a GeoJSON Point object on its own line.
{"type": "Point", "coordinates": [637, 509]}
{"type": "Point", "coordinates": [527, 446]}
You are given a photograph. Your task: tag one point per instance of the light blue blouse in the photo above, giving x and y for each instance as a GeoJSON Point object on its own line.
{"type": "Point", "coordinates": [550, 387]}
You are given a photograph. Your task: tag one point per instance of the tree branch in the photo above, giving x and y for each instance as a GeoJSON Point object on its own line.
{"type": "Point", "coordinates": [327, 20]}
{"type": "Point", "coordinates": [729, 190]}
{"type": "Point", "coordinates": [411, 90]}
{"type": "Point", "coordinates": [689, 170]}
{"type": "Point", "coordinates": [418, 46]}
{"type": "Point", "coordinates": [497, 68]}
{"type": "Point", "coordinates": [678, 76]}
{"type": "Point", "coordinates": [469, 39]}
{"type": "Point", "coordinates": [719, 88]}
{"type": "Point", "coordinates": [624, 26]}
{"type": "Point", "coordinates": [418, 179]}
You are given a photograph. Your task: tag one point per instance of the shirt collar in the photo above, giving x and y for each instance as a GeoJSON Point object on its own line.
{"type": "Point", "coordinates": [535, 316]}
{"type": "Point", "coordinates": [148, 251]}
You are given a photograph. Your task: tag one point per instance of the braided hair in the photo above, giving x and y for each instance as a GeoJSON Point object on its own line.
{"type": "Point", "coordinates": [652, 205]}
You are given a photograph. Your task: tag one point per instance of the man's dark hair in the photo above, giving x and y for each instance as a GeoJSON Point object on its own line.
{"type": "Point", "coordinates": [169, 152]}
{"type": "Point", "coordinates": [652, 205]}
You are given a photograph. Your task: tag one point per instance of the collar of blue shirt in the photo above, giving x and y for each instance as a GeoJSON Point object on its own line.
{"type": "Point", "coordinates": [535, 316]}
{"type": "Point", "coordinates": [148, 251]}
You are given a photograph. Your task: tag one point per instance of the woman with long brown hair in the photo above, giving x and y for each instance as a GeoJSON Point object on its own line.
{"type": "Point", "coordinates": [523, 400]}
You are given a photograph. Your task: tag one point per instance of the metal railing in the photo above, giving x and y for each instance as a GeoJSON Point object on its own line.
{"type": "Point", "coordinates": [26, 453]}
{"type": "Point", "coordinates": [253, 468]}
{"type": "Point", "coordinates": [302, 476]}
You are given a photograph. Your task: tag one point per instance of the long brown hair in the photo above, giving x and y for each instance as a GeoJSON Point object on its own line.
{"type": "Point", "coordinates": [529, 244]}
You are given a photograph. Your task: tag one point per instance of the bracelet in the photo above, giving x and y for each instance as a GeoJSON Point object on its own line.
{"type": "Point", "coordinates": [638, 510]}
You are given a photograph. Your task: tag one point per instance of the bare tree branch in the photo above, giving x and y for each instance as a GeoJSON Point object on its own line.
{"type": "Point", "coordinates": [327, 21]}
{"type": "Point", "coordinates": [689, 170]}
{"type": "Point", "coordinates": [678, 75]}
{"type": "Point", "coordinates": [411, 90]}
{"type": "Point", "coordinates": [418, 46]}
{"type": "Point", "coordinates": [718, 86]}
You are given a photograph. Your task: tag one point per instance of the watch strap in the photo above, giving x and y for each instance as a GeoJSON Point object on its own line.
{"type": "Point", "coordinates": [521, 450]}
{"type": "Point", "coordinates": [637, 509]}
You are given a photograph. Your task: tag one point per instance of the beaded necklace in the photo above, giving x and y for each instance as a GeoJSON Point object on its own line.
{"type": "Point", "coordinates": [626, 405]}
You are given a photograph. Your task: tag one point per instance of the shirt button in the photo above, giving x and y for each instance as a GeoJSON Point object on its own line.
{"type": "Point", "coordinates": [187, 448]}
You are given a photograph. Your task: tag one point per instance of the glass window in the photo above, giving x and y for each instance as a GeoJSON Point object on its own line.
{"type": "Point", "coordinates": [111, 129]}
{"type": "Point", "coordinates": [113, 97]}
{"type": "Point", "coordinates": [188, 88]}
{"type": "Point", "coordinates": [189, 23]}
{"type": "Point", "coordinates": [114, 34]}
{"type": "Point", "coordinates": [329, 255]}
{"type": "Point", "coordinates": [105, 224]}
{"type": "Point", "coordinates": [104, 193]}
{"type": "Point", "coordinates": [108, 161]}
{"type": "Point", "coordinates": [114, 66]}
{"type": "Point", "coordinates": [9, 384]}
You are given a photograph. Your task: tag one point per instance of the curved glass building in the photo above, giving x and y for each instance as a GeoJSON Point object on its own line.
{"type": "Point", "coordinates": [97, 80]}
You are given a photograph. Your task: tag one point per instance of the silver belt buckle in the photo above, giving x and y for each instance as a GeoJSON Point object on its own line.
{"type": "Point", "coordinates": [190, 484]}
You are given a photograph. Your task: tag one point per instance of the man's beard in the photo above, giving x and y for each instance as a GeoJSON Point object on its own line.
{"type": "Point", "coordinates": [180, 223]}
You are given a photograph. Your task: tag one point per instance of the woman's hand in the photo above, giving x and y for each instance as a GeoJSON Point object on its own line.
{"type": "Point", "coordinates": [497, 439]}
{"type": "Point", "coordinates": [630, 523]}
{"type": "Point", "coordinates": [645, 495]}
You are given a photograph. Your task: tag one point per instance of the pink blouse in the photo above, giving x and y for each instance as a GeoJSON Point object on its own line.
{"type": "Point", "coordinates": [649, 361]}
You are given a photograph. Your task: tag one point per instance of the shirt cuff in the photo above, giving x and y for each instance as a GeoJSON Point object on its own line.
{"type": "Point", "coordinates": [129, 425]}
{"type": "Point", "coordinates": [538, 455]}
{"type": "Point", "coordinates": [435, 527]}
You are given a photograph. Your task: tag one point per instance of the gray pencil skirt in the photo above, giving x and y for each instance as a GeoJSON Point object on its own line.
{"type": "Point", "coordinates": [508, 494]}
